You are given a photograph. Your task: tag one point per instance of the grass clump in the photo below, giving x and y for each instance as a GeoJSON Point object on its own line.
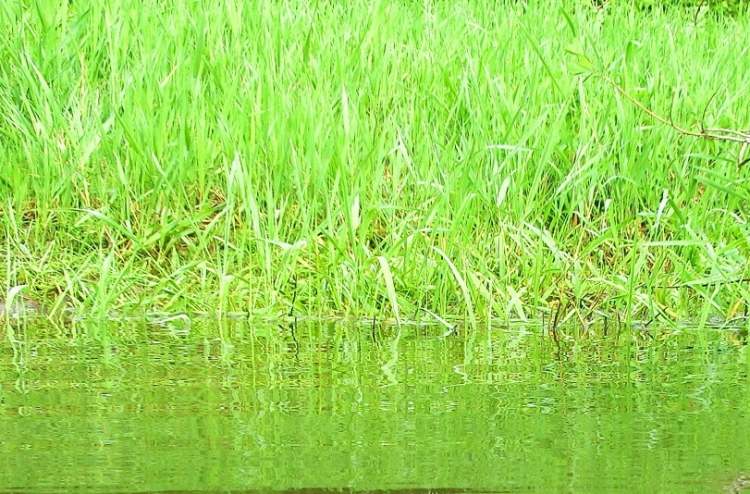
{"type": "Point", "coordinates": [275, 157]}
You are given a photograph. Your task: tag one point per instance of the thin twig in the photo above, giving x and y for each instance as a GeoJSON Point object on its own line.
{"type": "Point", "coordinates": [730, 135]}
{"type": "Point", "coordinates": [294, 296]}
{"type": "Point", "coordinates": [702, 284]}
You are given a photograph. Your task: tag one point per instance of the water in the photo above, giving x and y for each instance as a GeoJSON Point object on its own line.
{"type": "Point", "coordinates": [332, 408]}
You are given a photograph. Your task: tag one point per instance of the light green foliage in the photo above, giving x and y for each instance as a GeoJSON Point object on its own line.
{"type": "Point", "coordinates": [239, 156]}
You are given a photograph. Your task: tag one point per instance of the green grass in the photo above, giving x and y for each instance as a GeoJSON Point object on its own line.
{"type": "Point", "coordinates": [359, 158]}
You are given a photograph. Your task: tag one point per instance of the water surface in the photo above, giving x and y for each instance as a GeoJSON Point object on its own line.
{"type": "Point", "coordinates": [328, 408]}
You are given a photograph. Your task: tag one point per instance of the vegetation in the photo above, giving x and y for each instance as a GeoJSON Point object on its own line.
{"type": "Point", "coordinates": [374, 159]}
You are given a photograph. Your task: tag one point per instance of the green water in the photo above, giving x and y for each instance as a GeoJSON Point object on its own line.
{"type": "Point", "coordinates": [148, 409]}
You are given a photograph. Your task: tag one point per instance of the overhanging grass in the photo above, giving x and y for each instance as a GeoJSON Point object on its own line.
{"type": "Point", "coordinates": [247, 156]}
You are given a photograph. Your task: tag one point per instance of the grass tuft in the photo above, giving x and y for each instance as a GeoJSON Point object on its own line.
{"type": "Point", "coordinates": [234, 157]}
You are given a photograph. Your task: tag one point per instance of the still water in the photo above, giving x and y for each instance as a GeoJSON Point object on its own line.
{"type": "Point", "coordinates": [355, 409]}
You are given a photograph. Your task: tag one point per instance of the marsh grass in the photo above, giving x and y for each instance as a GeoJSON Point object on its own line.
{"type": "Point", "coordinates": [373, 158]}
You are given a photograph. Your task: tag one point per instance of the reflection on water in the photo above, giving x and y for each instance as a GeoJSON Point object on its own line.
{"type": "Point", "coordinates": [311, 491]}
{"type": "Point", "coordinates": [343, 491]}
{"type": "Point", "coordinates": [350, 409]}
